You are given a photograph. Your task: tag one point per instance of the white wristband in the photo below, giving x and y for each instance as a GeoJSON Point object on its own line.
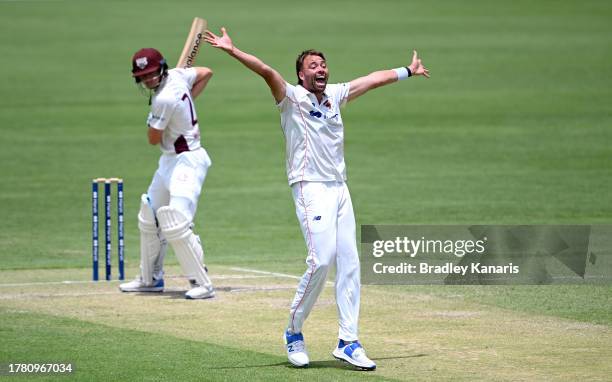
{"type": "Point", "coordinates": [402, 73]}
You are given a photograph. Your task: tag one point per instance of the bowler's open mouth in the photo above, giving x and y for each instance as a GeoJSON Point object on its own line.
{"type": "Point", "coordinates": [320, 80]}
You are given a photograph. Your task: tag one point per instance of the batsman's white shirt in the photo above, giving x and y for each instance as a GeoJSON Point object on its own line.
{"type": "Point", "coordinates": [172, 111]}
{"type": "Point", "coordinates": [314, 134]}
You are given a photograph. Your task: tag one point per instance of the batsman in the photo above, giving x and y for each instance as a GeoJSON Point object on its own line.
{"type": "Point", "coordinates": [314, 136]}
{"type": "Point", "coordinates": [169, 206]}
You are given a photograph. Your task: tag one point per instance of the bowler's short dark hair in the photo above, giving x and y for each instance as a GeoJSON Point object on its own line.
{"type": "Point", "coordinates": [299, 63]}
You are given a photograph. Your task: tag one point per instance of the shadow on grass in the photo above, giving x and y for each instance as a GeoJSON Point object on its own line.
{"type": "Point", "coordinates": [249, 366]}
{"type": "Point", "coordinates": [329, 364]}
{"type": "Point", "coordinates": [171, 294]}
{"type": "Point", "coordinates": [180, 293]}
{"type": "Point", "coordinates": [337, 364]}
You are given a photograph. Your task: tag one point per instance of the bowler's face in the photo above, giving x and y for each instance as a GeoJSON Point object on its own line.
{"type": "Point", "coordinates": [314, 74]}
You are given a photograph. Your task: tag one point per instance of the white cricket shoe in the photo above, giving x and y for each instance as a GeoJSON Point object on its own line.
{"type": "Point", "coordinates": [296, 349]}
{"type": "Point", "coordinates": [138, 285]}
{"type": "Point", "coordinates": [354, 354]}
{"type": "Point", "coordinates": [199, 292]}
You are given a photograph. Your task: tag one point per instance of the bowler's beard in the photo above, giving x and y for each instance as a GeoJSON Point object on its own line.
{"type": "Point", "coordinates": [316, 88]}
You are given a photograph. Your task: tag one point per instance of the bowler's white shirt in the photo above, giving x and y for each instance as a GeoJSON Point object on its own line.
{"type": "Point", "coordinates": [173, 111]}
{"type": "Point", "coordinates": [314, 134]}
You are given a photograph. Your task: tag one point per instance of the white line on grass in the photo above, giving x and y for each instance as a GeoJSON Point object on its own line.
{"type": "Point", "coordinates": [50, 295]}
{"type": "Point", "coordinates": [260, 289]}
{"type": "Point", "coordinates": [271, 273]}
{"type": "Point", "coordinates": [265, 272]}
{"type": "Point", "coordinates": [66, 282]}
{"type": "Point", "coordinates": [213, 276]}
{"type": "Point", "coordinates": [223, 277]}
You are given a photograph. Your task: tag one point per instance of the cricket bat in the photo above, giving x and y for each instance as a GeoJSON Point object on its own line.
{"type": "Point", "coordinates": [192, 44]}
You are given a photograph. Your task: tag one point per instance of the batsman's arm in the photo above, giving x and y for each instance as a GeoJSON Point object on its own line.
{"type": "Point", "coordinates": [203, 75]}
{"type": "Point", "coordinates": [158, 118]}
{"type": "Point", "coordinates": [361, 85]}
{"type": "Point", "coordinates": [275, 81]}
{"type": "Point", "coordinates": [154, 135]}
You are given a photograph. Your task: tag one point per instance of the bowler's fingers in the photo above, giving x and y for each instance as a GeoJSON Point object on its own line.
{"type": "Point", "coordinates": [212, 39]}
{"type": "Point", "coordinates": [414, 56]}
{"type": "Point", "coordinates": [210, 34]}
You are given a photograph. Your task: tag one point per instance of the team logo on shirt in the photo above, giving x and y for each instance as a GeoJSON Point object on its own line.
{"type": "Point", "coordinates": [317, 218]}
{"type": "Point", "coordinates": [318, 114]}
{"type": "Point", "coordinates": [142, 62]}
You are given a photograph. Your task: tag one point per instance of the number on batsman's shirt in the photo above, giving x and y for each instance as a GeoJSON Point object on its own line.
{"type": "Point", "coordinates": [172, 111]}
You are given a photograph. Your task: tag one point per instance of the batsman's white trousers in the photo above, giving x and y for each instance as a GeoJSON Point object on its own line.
{"type": "Point", "coordinates": [325, 213]}
{"type": "Point", "coordinates": [178, 181]}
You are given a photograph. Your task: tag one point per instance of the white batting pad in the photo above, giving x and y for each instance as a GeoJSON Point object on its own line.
{"type": "Point", "coordinates": [177, 230]}
{"type": "Point", "coordinates": [150, 245]}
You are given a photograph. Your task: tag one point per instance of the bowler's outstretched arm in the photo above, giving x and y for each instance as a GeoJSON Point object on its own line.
{"type": "Point", "coordinates": [274, 80]}
{"type": "Point", "coordinates": [361, 85]}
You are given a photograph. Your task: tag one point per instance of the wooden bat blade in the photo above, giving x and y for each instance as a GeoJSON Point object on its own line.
{"type": "Point", "coordinates": [192, 44]}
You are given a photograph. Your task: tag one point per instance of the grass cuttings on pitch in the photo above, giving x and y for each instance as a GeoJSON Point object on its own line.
{"type": "Point", "coordinates": [585, 303]}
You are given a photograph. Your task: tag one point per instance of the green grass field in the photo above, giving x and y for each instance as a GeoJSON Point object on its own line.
{"type": "Point", "coordinates": [514, 127]}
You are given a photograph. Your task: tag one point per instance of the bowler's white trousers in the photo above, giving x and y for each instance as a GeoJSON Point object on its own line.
{"type": "Point", "coordinates": [325, 213]}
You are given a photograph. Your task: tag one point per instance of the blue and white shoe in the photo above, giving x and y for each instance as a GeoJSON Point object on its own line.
{"type": "Point", "coordinates": [138, 285]}
{"type": "Point", "coordinates": [296, 349]}
{"type": "Point", "coordinates": [354, 354]}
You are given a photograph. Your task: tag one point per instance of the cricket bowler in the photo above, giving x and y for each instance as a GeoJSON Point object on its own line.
{"type": "Point", "coordinates": [314, 136]}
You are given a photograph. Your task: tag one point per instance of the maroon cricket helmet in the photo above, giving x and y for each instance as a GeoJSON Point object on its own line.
{"type": "Point", "coordinates": [147, 60]}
